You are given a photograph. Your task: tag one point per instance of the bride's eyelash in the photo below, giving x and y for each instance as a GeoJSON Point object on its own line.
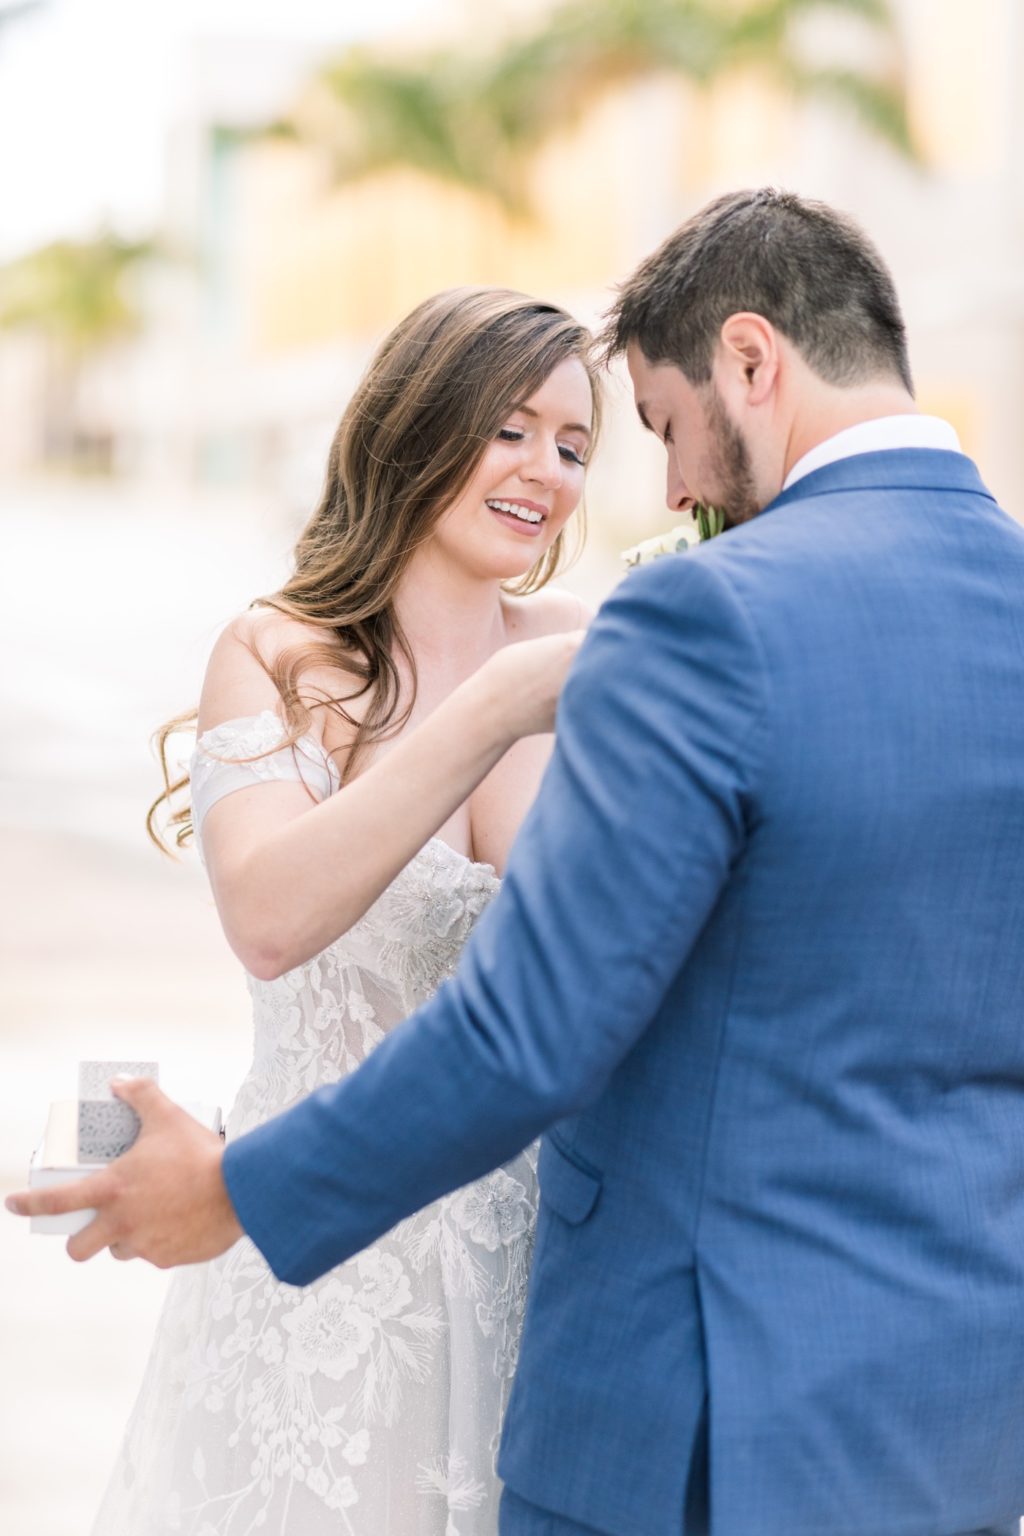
{"type": "Point", "coordinates": [514, 435]}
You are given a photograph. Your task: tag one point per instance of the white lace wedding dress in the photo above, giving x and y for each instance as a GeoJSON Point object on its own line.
{"type": "Point", "coordinates": [370, 1402]}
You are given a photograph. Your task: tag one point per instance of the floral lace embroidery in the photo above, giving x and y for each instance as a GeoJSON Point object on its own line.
{"type": "Point", "coordinates": [372, 1400]}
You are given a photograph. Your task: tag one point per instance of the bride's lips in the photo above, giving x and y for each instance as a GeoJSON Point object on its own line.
{"type": "Point", "coordinates": [530, 530]}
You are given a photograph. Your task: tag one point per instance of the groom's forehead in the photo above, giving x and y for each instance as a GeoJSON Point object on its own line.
{"type": "Point", "coordinates": [650, 378]}
{"type": "Point", "coordinates": [656, 387]}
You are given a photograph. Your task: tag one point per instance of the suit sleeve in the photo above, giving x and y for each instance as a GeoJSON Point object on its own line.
{"type": "Point", "coordinates": [639, 820]}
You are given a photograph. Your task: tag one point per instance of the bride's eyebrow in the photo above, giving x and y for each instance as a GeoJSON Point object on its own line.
{"type": "Point", "coordinates": [567, 426]}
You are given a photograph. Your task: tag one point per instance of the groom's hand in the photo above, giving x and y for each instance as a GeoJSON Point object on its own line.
{"type": "Point", "coordinates": [165, 1200]}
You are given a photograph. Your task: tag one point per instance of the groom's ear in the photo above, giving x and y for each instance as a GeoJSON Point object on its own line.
{"type": "Point", "coordinates": [747, 363]}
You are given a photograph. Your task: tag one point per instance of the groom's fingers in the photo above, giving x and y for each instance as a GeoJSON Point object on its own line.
{"type": "Point", "coordinates": [95, 1191]}
{"type": "Point", "coordinates": [164, 1200]}
{"type": "Point", "coordinates": [144, 1097]}
{"type": "Point", "coordinates": [79, 1195]}
{"type": "Point", "coordinates": [92, 1240]}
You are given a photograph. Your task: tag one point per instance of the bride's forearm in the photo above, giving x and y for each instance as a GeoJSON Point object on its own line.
{"type": "Point", "coordinates": [313, 878]}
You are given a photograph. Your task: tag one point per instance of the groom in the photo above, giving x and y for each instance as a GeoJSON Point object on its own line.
{"type": "Point", "coordinates": [757, 968]}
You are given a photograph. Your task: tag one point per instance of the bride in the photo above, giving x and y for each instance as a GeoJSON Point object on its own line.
{"type": "Point", "coordinates": [370, 738]}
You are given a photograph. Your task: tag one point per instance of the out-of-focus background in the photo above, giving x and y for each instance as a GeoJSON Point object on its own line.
{"type": "Point", "coordinates": [210, 211]}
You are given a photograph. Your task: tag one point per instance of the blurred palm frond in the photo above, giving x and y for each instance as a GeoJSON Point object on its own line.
{"type": "Point", "coordinates": [74, 289]}
{"type": "Point", "coordinates": [475, 119]}
{"type": "Point", "coordinates": [879, 105]}
{"type": "Point", "coordinates": [432, 114]}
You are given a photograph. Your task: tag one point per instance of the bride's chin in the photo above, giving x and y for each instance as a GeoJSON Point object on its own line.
{"type": "Point", "coordinates": [504, 567]}
{"type": "Point", "coordinates": [516, 573]}
{"type": "Point", "coordinates": [497, 563]}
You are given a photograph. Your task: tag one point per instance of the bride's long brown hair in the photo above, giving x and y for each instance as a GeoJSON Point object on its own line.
{"type": "Point", "coordinates": [436, 393]}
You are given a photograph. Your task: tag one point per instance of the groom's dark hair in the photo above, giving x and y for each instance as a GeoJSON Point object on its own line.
{"type": "Point", "coordinates": [806, 268]}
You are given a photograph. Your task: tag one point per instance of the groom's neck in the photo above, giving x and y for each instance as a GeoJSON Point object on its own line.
{"type": "Point", "coordinates": [826, 409]}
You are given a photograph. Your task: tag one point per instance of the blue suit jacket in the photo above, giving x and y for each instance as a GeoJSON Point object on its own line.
{"type": "Point", "coordinates": [757, 968]}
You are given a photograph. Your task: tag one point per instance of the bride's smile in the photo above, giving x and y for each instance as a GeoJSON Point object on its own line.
{"type": "Point", "coordinates": [520, 512]}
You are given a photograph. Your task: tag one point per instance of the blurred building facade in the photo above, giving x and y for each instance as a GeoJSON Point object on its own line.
{"type": "Point", "coordinates": [255, 335]}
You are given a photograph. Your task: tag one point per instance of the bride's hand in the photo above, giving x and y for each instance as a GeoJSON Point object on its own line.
{"type": "Point", "coordinates": [526, 679]}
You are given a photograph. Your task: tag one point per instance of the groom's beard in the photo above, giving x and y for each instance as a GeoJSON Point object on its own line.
{"type": "Point", "coordinates": [729, 466]}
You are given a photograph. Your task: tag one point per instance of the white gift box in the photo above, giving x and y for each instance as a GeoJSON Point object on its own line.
{"type": "Point", "coordinates": [56, 1159]}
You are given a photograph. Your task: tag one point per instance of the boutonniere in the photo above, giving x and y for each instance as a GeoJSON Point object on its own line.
{"type": "Point", "coordinates": [705, 524]}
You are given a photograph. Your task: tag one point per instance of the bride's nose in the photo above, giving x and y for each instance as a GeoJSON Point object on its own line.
{"type": "Point", "coordinates": [544, 465]}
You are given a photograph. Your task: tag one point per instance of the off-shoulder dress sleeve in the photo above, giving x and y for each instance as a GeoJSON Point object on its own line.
{"type": "Point", "coordinates": [246, 751]}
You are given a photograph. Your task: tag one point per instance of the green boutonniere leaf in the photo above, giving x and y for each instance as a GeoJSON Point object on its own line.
{"type": "Point", "coordinates": [710, 521]}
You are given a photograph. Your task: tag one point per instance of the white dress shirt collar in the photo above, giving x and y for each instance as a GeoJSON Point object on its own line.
{"type": "Point", "coordinates": [885, 432]}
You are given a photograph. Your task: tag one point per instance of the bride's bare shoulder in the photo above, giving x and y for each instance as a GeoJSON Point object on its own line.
{"type": "Point", "coordinates": [550, 611]}
{"type": "Point", "coordinates": [238, 679]}
{"type": "Point", "coordinates": [269, 633]}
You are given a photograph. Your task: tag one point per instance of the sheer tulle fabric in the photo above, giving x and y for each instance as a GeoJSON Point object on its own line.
{"type": "Point", "coordinates": [369, 1403]}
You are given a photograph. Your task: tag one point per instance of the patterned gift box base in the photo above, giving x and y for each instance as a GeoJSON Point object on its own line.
{"type": "Point", "coordinates": [106, 1127]}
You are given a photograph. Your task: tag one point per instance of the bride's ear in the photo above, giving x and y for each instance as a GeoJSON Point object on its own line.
{"type": "Point", "coordinates": [747, 358]}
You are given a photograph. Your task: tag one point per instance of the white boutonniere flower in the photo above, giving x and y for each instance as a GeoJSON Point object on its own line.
{"type": "Point", "coordinates": [705, 524]}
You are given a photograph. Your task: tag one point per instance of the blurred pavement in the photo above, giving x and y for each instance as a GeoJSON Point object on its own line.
{"type": "Point", "coordinates": [109, 602]}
